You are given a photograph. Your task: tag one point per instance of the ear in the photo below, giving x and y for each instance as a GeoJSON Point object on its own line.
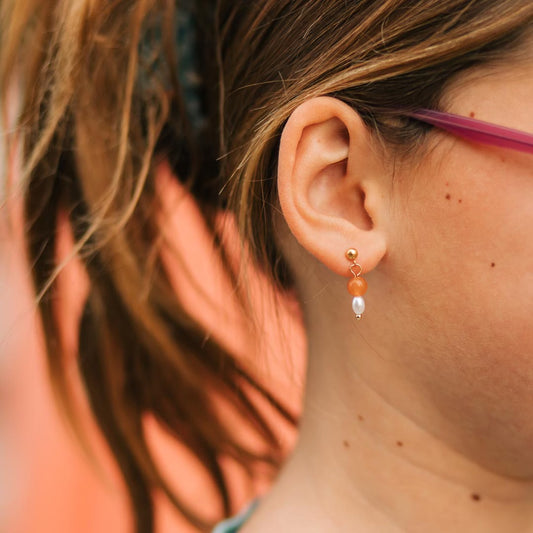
{"type": "Point", "coordinates": [332, 184]}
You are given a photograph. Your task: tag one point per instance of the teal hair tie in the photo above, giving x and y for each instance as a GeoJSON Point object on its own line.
{"type": "Point", "coordinates": [188, 71]}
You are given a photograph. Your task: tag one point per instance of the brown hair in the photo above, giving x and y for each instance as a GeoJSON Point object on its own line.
{"type": "Point", "coordinates": [103, 103]}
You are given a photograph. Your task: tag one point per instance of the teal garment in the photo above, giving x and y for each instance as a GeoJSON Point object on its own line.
{"type": "Point", "coordinates": [232, 525]}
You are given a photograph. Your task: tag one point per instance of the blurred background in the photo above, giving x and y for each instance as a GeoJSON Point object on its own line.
{"type": "Point", "coordinates": [48, 483]}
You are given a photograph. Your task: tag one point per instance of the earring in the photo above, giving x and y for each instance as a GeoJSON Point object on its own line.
{"type": "Point", "coordinates": [357, 285]}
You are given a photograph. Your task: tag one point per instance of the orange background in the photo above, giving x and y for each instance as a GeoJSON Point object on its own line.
{"type": "Point", "coordinates": [48, 484]}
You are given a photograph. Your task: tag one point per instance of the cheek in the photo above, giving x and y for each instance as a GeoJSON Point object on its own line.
{"type": "Point", "coordinates": [464, 240]}
{"type": "Point", "coordinates": [466, 261]}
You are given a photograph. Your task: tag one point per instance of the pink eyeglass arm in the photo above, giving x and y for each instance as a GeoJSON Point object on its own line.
{"type": "Point", "coordinates": [476, 130]}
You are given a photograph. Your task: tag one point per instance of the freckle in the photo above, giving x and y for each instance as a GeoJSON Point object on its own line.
{"type": "Point", "coordinates": [472, 114]}
{"type": "Point", "coordinates": [448, 197]}
{"type": "Point", "coordinates": [493, 265]}
{"type": "Point", "coordinates": [460, 200]}
{"type": "Point", "coordinates": [476, 497]}
{"type": "Point", "coordinates": [447, 184]}
{"type": "Point", "coordinates": [399, 443]}
{"type": "Point", "coordinates": [346, 444]}
{"type": "Point", "coordinates": [360, 417]}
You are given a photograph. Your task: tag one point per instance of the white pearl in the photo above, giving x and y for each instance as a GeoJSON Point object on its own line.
{"type": "Point", "coordinates": [358, 305]}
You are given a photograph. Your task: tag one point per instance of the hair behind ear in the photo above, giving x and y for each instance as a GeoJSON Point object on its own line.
{"type": "Point", "coordinates": [101, 97]}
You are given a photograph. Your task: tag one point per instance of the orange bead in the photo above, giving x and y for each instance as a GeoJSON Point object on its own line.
{"type": "Point", "coordinates": [357, 286]}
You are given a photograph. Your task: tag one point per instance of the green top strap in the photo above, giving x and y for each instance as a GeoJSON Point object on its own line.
{"type": "Point", "coordinates": [232, 525]}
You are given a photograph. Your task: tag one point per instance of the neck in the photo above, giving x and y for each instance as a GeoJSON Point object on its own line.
{"type": "Point", "coordinates": [363, 463]}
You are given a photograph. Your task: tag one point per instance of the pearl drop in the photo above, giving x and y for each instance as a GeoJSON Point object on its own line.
{"type": "Point", "coordinates": [358, 306]}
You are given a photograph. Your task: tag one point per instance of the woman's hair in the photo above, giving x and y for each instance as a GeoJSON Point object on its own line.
{"type": "Point", "coordinates": [104, 100]}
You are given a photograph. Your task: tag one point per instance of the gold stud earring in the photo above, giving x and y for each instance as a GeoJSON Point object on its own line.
{"type": "Point", "coordinates": [357, 285]}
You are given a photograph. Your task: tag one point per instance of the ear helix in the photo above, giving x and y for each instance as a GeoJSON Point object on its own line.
{"type": "Point", "coordinates": [357, 285]}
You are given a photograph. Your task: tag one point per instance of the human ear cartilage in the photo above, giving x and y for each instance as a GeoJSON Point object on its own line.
{"type": "Point", "coordinates": [357, 285]}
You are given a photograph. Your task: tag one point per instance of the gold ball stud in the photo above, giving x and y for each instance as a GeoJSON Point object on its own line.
{"type": "Point", "coordinates": [351, 254]}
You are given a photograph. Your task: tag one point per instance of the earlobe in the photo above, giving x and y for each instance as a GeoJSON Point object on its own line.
{"type": "Point", "coordinates": [330, 183]}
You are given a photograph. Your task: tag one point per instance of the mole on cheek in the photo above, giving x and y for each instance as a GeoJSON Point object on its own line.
{"type": "Point", "coordinates": [360, 418]}
{"type": "Point", "coordinates": [493, 265]}
{"type": "Point", "coordinates": [346, 444]}
{"type": "Point", "coordinates": [476, 497]}
{"type": "Point", "coordinates": [399, 443]}
{"type": "Point", "coordinates": [447, 197]}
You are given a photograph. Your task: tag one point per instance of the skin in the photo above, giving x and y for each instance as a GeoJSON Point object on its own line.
{"type": "Point", "coordinates": [418, 417]}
